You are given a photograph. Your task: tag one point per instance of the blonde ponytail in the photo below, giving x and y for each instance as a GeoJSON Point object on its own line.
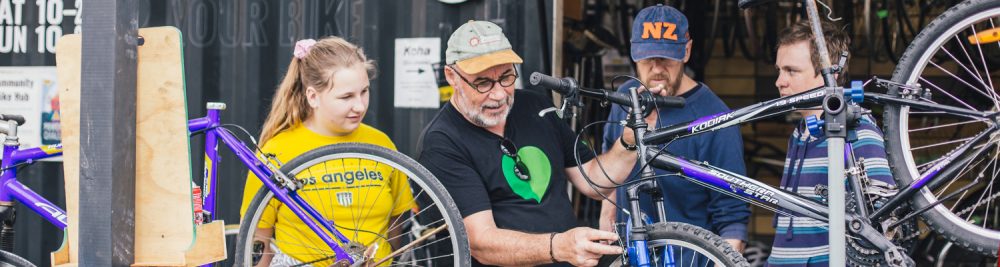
{"type": "Point", "coordinates": [289, 106]}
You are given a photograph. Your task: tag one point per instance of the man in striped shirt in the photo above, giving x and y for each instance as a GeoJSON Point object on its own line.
{"type": "Point", "coordinates": [799, 240]}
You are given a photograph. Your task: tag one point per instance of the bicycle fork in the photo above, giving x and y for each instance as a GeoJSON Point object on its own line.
{"type": "Point", "coordinates": [638, 252]}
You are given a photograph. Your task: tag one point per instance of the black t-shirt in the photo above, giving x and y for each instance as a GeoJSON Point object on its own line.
{"type": "Point", "coordinates": [468, 161]}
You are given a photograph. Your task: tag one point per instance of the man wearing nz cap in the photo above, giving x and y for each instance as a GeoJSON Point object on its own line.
{"type": "Point", "coordinates": [660, 47]}
{"type": "Point", "coordinates": [506, 167]}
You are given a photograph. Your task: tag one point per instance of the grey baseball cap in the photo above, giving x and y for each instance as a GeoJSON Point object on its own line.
{"type": "Point", "coordinates": [478, 45]}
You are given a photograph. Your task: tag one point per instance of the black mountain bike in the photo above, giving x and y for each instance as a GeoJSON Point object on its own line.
{"type": "Point", "coordinates": [942, 125]}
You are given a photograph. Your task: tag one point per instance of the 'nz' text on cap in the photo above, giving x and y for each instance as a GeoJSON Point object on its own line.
{"type": "Point", "coordinates": [659, 30]}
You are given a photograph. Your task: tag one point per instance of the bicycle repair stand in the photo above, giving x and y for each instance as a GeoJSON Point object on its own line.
{"type": "Point", "coordinates": [836, 132]}
{"type": "Point", "coordinates": [842, 113]}
{"type": "Point", "coordinates": [165, 232]}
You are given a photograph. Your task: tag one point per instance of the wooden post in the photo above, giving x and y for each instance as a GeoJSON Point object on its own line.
{"type": "Point", "coordinates": [557, 45]}
{"type": "Point", "coordinates": [107, 133]}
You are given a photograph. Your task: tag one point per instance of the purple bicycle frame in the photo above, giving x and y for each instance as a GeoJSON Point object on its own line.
{"type": "Point", "coordinates": [213, 133]}
{"type": "Point", "coordinates": [11, 189]}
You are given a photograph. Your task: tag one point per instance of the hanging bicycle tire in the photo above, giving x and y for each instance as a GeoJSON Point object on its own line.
{"type": "Point", "coordinates": [948, 59]}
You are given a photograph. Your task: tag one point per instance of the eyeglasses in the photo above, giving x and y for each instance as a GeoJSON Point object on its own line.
{"type": "Point", "coordinates": [484, 85]}
{"type": "Point", "coordinates": [508, 148]}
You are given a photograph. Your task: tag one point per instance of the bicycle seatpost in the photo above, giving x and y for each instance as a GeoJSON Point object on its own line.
{"type": "Point", "coordinates": [9, 128]}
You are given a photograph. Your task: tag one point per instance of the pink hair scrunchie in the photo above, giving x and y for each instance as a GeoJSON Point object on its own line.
{"type": "Point", "coordinates": [302, 48]}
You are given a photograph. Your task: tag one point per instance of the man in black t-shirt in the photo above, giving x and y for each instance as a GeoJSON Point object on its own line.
{"type": "Point", "coordinates": [507, 167]}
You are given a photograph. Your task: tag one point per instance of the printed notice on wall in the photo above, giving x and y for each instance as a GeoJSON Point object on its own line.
{"type": "Point", "coordinates": [31, 92]}
{"type": "Point", "coordinates": [415, 82]}
{"type": "Point", "coordinates": [35, 26]}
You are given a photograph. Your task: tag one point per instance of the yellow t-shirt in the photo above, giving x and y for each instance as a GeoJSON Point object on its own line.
{"type": "Point", "coordinates": [357, 194]}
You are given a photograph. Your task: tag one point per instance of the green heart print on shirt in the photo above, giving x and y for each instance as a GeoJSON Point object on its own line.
{"type": "Point", "coordinates": [539, 168]}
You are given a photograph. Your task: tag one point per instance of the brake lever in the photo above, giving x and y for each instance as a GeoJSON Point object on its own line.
{"type": "Point", "coordinates": [560, 112]}
{"type": "Point", "coordinates": [544, 112]}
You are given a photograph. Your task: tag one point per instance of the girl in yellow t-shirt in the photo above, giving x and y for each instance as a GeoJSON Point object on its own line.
{"type": "Point", "coordinates": [321, 101]}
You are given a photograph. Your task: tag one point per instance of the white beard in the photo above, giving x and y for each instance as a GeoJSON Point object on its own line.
{"type": "Point", "coordinates": [475, 114]}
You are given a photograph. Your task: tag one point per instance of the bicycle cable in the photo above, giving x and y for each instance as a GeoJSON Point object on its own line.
{"type": "Point", "coordinates": [247, 133]}
{"type": "Point", "coordinates": [601, 166]}
{"type": "Point", "coordinates": [631, 180]}
{"type": "Point", "coordinates": [18, 166]}
{"type": "Point", "coordinates": [829, 11]}
{"type": "Point", "coordinates": [253, 140]}
{"type": "Point", "coordinates": [590, 182]}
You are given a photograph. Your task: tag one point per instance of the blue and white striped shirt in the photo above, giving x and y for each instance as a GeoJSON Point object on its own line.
{"type": "Point", "coordinates": [803, 241]}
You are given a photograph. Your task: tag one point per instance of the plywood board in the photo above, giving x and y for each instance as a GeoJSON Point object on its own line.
{"type": "Point", "coordinates": [164, 224]}
{"type": "Point", "coordinates": [68, 73]}
{"type": "Point", "coordinates": [209, 245]}
{"type": "Point", "coordinates": [164, 230]}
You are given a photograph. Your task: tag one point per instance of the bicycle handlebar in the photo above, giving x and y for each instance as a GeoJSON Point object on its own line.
{"type": "Point", "coordinates": [568, 86]}
{"type": "Point", "coordinates": [744, 4]}
{"type": "Point", "coordinates": [10, 117]}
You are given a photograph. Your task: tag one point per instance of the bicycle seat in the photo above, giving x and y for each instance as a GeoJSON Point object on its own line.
{"type": "Point", "coordinates": [16, 118]}
{"type": "Point", "coordinates": [753, 3]}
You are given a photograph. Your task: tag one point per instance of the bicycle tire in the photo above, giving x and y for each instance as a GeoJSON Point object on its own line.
{"type": "Point", "coordinates": [935, 251]}
{"type": "Point", "coordinates": [687, 236]}
{"type": "Point", "coordinates": [901, 157]}
{"type": "Point", "coordinates": [431, 190]}
{"type": "Point", "coordinates": [8, 259]}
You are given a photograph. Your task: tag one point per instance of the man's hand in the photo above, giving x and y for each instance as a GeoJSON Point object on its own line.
{"type": "Point", "coordinates": [659, 89]}
{"type": "Point", "coordinates": [627, 134]}
{"type": "Point", "coordinates": [737, 244]}
{"type": "Point", "coordinates": [579, 246]}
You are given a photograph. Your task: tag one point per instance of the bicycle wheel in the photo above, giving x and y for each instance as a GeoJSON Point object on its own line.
{"type": "Point", "coordinates": [943, 59]}
{"type": "Point", "coordinates": [429, 232]}
{"type": "Point", "coordinates": [8, 259]}
{"type": "Point", "coordinates": [681, 244]}
{"type": "Point", "coordinates": [936, 251]}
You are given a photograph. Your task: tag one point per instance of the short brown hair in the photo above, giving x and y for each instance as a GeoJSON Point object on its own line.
{"type": "Point", "coordinates": [836, 42]}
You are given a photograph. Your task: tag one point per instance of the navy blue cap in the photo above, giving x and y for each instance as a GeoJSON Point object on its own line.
{"type": "Point", "coordinates": [659, 32]}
